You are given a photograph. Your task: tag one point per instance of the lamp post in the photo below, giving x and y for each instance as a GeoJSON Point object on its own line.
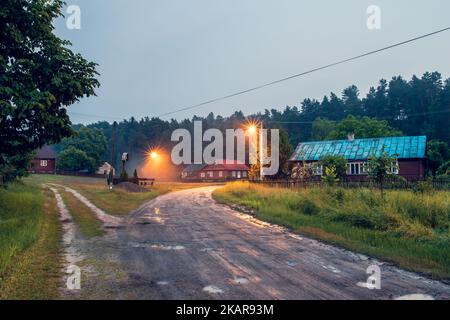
{"type": "Point", "coordinates": [253, 129]}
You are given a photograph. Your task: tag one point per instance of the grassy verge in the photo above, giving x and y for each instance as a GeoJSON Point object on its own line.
{"type": "Point", "coordinates": [88, 223]}
{"type": "Point", "coordinates": [116, 201]}
{"type": "Point", "coordinates": [407, 229]}
{"type": "Point", "coordinates": [30, 260]}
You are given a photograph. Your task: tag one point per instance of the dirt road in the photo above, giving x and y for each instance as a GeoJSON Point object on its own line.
{"type": "Point", "coordinates": [184, 245]}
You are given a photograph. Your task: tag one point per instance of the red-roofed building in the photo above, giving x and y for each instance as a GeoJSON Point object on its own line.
{"type": "Point", "coordinates": [219, 172]}
{"type": "Point", "coordinates": [44, 161]}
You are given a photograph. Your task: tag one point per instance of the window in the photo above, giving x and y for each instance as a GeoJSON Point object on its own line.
{"type": "Point", "coordinates": [233, 174]}
{"type": "Point", "coordinates": [238, 174]}
{"type": "Point", "coordinates": [244, 174]}
{"type": "Point", "coordinates": [220, 174]}
{"type": "Point", "coordinates": [202, 175]}
{"type": "Point", "coordinates": [210, 174]}
{"type": "Point", "coordinates": [316, 169]}
{"type": "Point", "coordinates": [356, 168]}
{"type": "Point", "coordinates": [44, 163]}
{"type": "Point", "coordinates": [394, 167]}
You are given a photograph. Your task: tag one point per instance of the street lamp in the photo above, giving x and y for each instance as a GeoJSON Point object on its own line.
{"type": "Point", "coordinates": [153, 154]}
{"type": "Point", "coordinates": [252, 129]}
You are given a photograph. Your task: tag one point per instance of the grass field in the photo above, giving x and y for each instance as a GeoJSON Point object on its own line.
{"type": "Point", "coordinates": [88, 223]}
{"type": "Point", "coordinates": [30, 258]}
{"type": "Point", "coordinates": [116, 201]}
{"type": "Point", "coordinates": [408, 229]}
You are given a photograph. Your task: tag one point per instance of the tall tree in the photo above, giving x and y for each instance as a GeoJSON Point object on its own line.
{"type": "Point", "coordinates": [90, 140]}
{"type": "Point", "coordinates": [364, 127]}
{"type": "Point", "coordinates": [39, 77]}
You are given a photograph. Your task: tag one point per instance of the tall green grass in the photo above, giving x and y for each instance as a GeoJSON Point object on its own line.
{"type": "Point", "coordinates": [20, 217]}
{"type": "Point", "coordinates": [408, 229]}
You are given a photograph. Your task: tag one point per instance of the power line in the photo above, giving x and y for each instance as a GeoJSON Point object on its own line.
{"type": "Point", "coordinates": [376, 118]}
{"type": "Point", "coordinates": [286, 78]}
{"type": "Point", "coordinates": [304, 73]}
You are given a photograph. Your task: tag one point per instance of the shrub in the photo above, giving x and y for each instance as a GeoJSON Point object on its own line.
{"type": "Point", "coordinates": [361, 218]}
{"type": "Point", "coordinates": [340, 196]}
{"type": "Point", "coordinates": [305, 206]}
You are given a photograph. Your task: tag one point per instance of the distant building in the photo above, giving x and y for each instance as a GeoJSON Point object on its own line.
{"type": "Point", "coordinates": [105, 169]}
{"type": "Point", "coordinates": [44, 161]}
{"type": "Point", "coordinates": [215, 172]}
{"type": "Point", "coordinates": [192, 171]}
{"type": "Point", "coordinates": [410, 153]}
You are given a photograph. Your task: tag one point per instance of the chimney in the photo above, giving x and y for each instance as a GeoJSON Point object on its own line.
{"type": "Point", "coordinates": [351, 137]}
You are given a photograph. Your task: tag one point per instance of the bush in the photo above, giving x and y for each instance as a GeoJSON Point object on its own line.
{"type": "Point", "coordinates": [73, 159]}
{"type": "Point", "coordinates": [304, 206]}
{"type": "Point", "coordinates": [374, 220]}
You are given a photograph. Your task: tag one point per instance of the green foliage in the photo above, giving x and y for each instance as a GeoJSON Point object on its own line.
{"type": "Point", "coordinates": [90, 140]}
{"type": "Point", "coordinates": [379, 168]}
{"type": "Point", "coordinates": [39, 77]}
{"type": "Point", "coordinates": [72, 159]}
{"type": "Point", "coordinates": [338, 163]}
{"type": "Point", "coordinates": [364, 127]}
{"type": "Point", "coordinates": [330, 176]}
{"type": "Point", "coordinates": [423, 187]}
{"type": "Point", "coordinates": [285, 150]}
{"type": "Point", "coordinates": [20, 213]}
{"type": "Point", "coordinates": [322, 128]}
{"type": "Point", "coordinates": [438, 153]}
{"type": "Point", "coordinates": [444, 169]}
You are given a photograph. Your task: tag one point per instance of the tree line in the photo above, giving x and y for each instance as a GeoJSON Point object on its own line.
{"type": "Point", "coordinates": [420, 106]}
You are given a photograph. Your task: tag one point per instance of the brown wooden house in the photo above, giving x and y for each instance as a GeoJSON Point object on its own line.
{"type": "Point", "coordinates": [44, 161]}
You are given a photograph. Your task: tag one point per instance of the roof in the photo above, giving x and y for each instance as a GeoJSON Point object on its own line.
{"type": "Point", "coordinates": [361, 149]}
{"type": "Point", "coordinates": [46, 152]}
{"type": "Point", "coordinates": [227, 166]}
{"type": "Point", "coordinates": [193, 168]}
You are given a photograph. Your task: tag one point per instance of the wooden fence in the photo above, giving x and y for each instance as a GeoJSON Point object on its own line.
{"type": "Point", "coordinates": [439, 184]}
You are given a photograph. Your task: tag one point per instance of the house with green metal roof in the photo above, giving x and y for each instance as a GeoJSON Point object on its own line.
{"type": "Point", "coordinates": [410, 152]}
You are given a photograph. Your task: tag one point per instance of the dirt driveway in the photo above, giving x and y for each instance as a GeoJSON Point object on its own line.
{"type": "Point", "coordinates": [184, 245]}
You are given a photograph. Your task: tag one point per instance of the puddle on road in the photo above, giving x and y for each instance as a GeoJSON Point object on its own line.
{"type": "Point", "coordinates": [240, 280]}
{"type": "Point", "coordinates": [154, 246]}
{"type": "Point", "coordinates": [415, 296]}
{"type": "Point", "coordinates": [213, 289]}
{"type": "Point", "coordinates": [291, 263]}
{"type": "Point", "coordinates": [162, 283]}
{"type": "Point", "coordinates": [332, 269]}
{"type": "Point", "coordinates": [164, 247]}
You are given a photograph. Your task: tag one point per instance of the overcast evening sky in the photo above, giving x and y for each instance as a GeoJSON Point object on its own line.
{"type": "Point", "coordinates": [157, 56]}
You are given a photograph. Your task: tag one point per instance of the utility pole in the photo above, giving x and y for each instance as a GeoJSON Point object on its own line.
{"type": "Point", "coordinates": [261, 171]}
{"type": "Point", "coordinates": [113, 144]}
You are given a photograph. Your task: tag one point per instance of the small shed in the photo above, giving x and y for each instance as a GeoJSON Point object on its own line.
{"type": "Point", "coordinates": [44, 161]}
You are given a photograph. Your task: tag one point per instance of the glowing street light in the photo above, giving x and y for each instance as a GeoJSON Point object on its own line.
{"type": "Point", "coordinates": [153, 154]}
{"type": "Point", "coordinates": [252, 130]}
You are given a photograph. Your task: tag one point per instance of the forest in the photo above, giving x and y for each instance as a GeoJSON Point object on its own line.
{"type": "Point", "coordinates": [419, 106]}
